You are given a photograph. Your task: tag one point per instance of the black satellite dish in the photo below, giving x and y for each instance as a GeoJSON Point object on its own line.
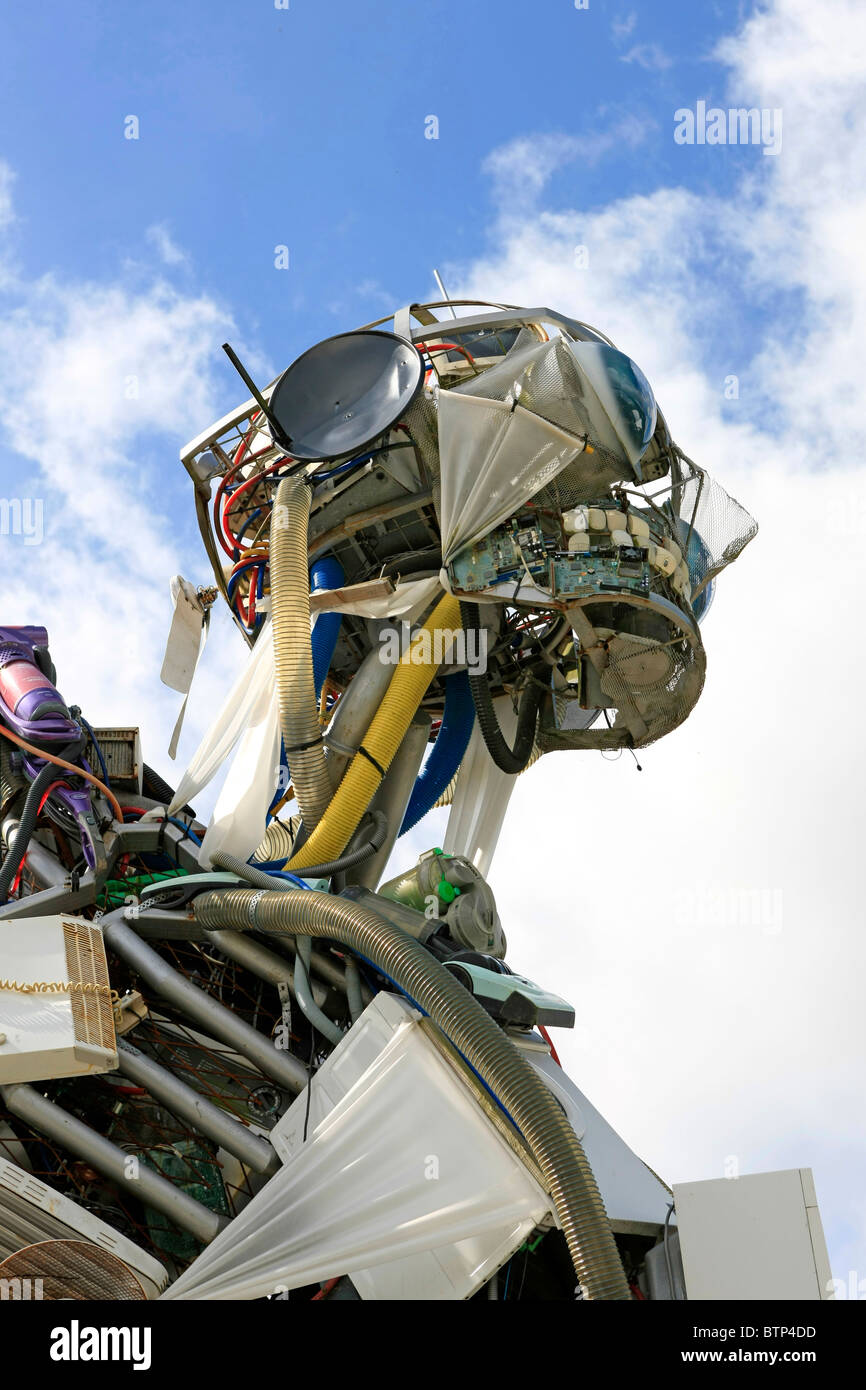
{"type": "Point", "coordinates": [343, 393]}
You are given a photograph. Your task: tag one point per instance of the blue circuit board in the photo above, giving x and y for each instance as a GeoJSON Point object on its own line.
{"type": "Point", "coordinates": [512, 553]}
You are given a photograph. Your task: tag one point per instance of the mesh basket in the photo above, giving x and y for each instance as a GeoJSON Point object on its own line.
{"type": "Point", "coordinates": [652, 688]}
{"type": "Point", "coordinates": [714, 527]}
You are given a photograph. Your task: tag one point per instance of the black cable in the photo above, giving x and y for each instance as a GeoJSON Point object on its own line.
{"type": "Point", "coordinates": [309, 1083]}
{"type": "Point", "coordinates": [355, 856]}
{"type": "Point", "coordinates": [18, 847]}
{"type": "Point", "coordinates": [510, 760]}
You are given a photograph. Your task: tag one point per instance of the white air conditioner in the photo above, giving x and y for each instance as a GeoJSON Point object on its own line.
{"type": "Point", "coordinates": [31, 1212]}
{"type": "Point", "coordinates": [59, 1031]}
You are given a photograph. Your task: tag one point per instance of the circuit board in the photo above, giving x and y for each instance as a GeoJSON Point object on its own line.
{"type": "Point", "coordinates": [507, 554]}
{"type": "Point", "coordinates": [513, 553]}
{"type": "Point", "coordinates": [610, 569]}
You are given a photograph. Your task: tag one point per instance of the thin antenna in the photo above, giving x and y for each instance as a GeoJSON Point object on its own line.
{"type": "Point", "coordinates": [255, 393]}
{"type": "Point", "coordinates": [444, 292]}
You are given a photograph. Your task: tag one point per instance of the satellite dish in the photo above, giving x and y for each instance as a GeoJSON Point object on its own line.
{"type": "Point", "coordinates": [345, 392]}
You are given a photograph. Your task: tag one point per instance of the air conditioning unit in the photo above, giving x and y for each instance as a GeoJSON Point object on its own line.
{"type": "Point", "coordinates": [56, 1016]}
{"type": "Point", "coordinates": [31, 1212]}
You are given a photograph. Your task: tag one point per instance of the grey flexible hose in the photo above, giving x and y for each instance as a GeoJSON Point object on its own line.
{"type": "Point", "coordinates": [548, 1135]}
{"type": "Point", "coordinates": [293, 652]}
{"type": "Point", "coordinates": [18, 848]}
{"type": "Point", "coordinates": [304, 994]}
{"type": "Point", "coordinates": [278, 844]}
{"type": "Point", "coordinates": [353, 989]}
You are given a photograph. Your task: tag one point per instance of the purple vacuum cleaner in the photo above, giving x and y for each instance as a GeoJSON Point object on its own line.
{"type": "Point", "coordinates": [32, 707]}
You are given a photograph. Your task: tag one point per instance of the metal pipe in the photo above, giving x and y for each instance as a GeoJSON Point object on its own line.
{"type": "Point", "coordinates": [355, 709]}
{"type": "Point", "coordinates": [392, 798]}
{"type": "Point", "coordinates": [141, 1182]}
{"type": "Point", "coordinates": [216, 1019]}
{"type": "Point", "coordinates": [257, 1153]}
{"type": "Point", "coordinates": [253, 956]}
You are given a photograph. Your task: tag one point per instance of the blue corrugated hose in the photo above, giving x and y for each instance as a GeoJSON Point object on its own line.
{"type": "Point", "coordinates": [447, 752]}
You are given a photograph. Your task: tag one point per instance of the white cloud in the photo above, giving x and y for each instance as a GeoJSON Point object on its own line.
{"type": "Point", "coordinates": [170, 253]}
{"type": "Point", "coordinates": [621, 28]}
{"type": "Point", "coordinates": [7, 178]}
{"type": "Point", "coordinates": [648, 55]}
{"type": "Point", "coordinates": [522, 168]}
{"type": "Point", "coordinates": [701, 1038]}
{"type": "Point", "coordinates": [95, 379]}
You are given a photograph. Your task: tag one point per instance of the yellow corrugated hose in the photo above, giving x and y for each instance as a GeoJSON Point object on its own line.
{"type": "Point", "coordinates": [413, 675]}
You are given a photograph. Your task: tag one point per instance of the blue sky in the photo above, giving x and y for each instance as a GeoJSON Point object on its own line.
{"type": "Point", "coordinates": [305, 126]}
{"type": "Point", "coordinates": [132, 260]}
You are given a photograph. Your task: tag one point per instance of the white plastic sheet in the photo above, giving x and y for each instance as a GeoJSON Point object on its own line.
{"type": "Point", "coordinates": [494, 456]}
{"type": "Point", "coordinates": [249, 721]}
{"type": "Point", "coordinates": [184, 647]}
{"type": "Point", "coordinates": [404, 1164]}
{"type": "Point", "coordinates": [481, 796]}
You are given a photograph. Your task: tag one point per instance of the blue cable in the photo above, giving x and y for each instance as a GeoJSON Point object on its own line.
{"type": "Point", "coordinates": [94, 741]}
{"type": "Point", "coordinates": [447, 753]}
{"type": "Point", "coordinates": [173, 820]}
{"type": "Point", "coordinates": [276, 873]}
{"type": "Point", "coordinates": [253, 516]}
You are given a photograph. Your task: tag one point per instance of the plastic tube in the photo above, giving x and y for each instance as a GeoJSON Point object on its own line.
{"type": "Point", "coordinates": [304, 994]}
{"type": "Point", "coordinates": [447, 752]}
{"type": "Point", "coordinates": [257, 1153]}
{"type": "Point", "coordinates": [353, 990]}
{"type": "Point", "coordinates": [325, 573]}
{"type": "Point", "coordinates": [141, 1182]}
{"type": "Point", "coordinates": [412, 676]}
{"type": "Point", "coordinates": [510, 760]}
{"type": "Point", "coordinates": [334, 866]}
{"type": "Point", "coordinates": [518, 1087]}
{"type": "Point", "coordinates": [293, 657]}
{"type": "Point", "coordinates": [18, 847]}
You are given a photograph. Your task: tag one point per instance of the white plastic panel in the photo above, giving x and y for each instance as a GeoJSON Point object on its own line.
{"type": "Point", "coordinates": [753, 1237]}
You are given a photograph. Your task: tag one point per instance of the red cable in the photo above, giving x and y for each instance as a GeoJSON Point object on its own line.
{"type": "Point", "coordinates": [446, 347]}
{"type": "Point", "coordinates": [226, 478]}
{"type": "Point", "coordinates": [61, 782]}
{"type": "Point", "coordinates": [325, 1290]}
{"type": "Point", "coordinates": [233, 497]}
{"type": "Point", "coordinates": [251, 606]}
{"type": "Point", "coordinates": [544, 1033]}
